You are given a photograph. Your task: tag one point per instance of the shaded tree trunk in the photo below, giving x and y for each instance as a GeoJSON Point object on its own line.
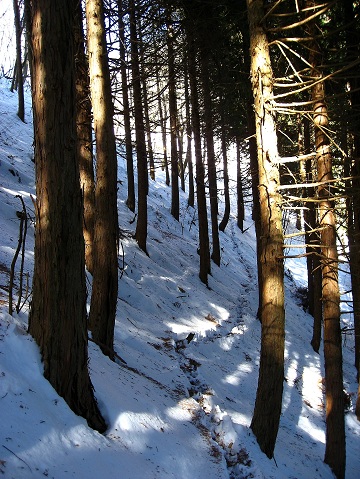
{"type": "Point", "coordinates": [145, 104]}
{"type": "Point", "coordinates": [105, 276]}
{"type": "Point", "coordinates": [265, 421]}
{"type": "Point", "coordinates": [130, 200]}
{"type": "Point", "coordinates": [84, 139]}
{"type": "Point", "coordinates": [175, 201]}
{"type": "Point", "coordinates": [205, 73]}
{"type": "Point", "coordinates": [20, 78]}
{"type": "Point", "coordinates": [226, 216]}
{"type": "Point", "coordinates": [188, 158]}
{"type": "Point", "coordinates": [57, 317]}
{"type": "Point", "coordinates": [239, 183]}
{"type": "Point", "coordinates": [141, 225]}
{"type": "Point", "coordinates": [204, 249]}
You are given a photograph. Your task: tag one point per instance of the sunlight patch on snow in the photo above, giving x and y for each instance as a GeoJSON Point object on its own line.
{"type": "Point", "coordinates": [310, 428]}
{"type": "Point", "coordinates": [183, 411]}
{"type": "Point", "coordinates": [14, 192]}
{"type": "Point", "coordinates": [140, 422]}
{"type": "Point", "coordinates": [235, 378]}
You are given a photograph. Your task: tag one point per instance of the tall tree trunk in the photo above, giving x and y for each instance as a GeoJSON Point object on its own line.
{"type": "Point", "coordinates": [20, 78]}
{"type": "Point", "coordinates": [226, 216]}
{"type": "Point", "coordinates": [180, 142]}
{"type": "Point", "coordinates": [312, 241]}
{"type": "Point", "coordinates": [335, 424]}
{"type": "Point", "coordinates": [84, 139]}
{"type": "Point", "coordinates": [57, 317]}
{"type": "Point", "coordinates": [175, 202]}
{"type": "Point", "coordinates": [145, 104]}
{"type": "Point", "coordinates": [105, 277]}
{"type": "Point", "coordinates": [141, 225]}
{"type": "Point", "coordinates": [239, 183]}
{"type": "Point", "coordinates": [204, 249]}
{"type": "Point", "coordinates": [130, 200]}
{"type": "Point", "coordinates": [352, 40]}
{"type": "Point", "coordinates": [188, 158]}
{"type": "Point", "coordinates": [209, 137]}
{"type": "Point", "coordinates": [265, 421]}
{"type": "Point", "coordinates": [162, 116]}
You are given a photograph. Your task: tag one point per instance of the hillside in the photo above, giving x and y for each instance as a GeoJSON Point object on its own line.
{"type": "Point", "coordinates": [181, 407]}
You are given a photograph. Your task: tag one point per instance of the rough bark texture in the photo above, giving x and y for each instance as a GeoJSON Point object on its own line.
{"type": "Point", "coordinates": [105, 276]}
{"type": "Point", "coordinates": [265, 422]}
{"type": "Point", "coordinates": [57, 318]}
{"type": "Point", "coordinates": [335, 424]}
{"type": "Point", "coordinates": [84, 139]}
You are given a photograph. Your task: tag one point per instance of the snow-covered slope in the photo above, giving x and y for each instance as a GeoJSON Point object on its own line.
{"type": "Point", "coordinates": [182, 405]}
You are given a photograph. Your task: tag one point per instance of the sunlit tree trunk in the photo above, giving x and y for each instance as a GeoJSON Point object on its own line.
{"type": "Point", "coordinates": [265, 421]}
{"type": "Point", "coordinates": [335, 424]}
{"type": "Point", "coordinates": [57, 317]}
{"type": "Point", "coordinates": [105, 275]}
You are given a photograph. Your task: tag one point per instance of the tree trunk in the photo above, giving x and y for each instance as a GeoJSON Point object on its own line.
{"type": "Point", "coordinates": [209, 137]}
{"type": "Point", "coordinates": [226, 216]}
{"type": "Point", "coordinates": [352, 40]}
{"type": "Point", "coordinates": [130, 201]}
{"type": "Point", "coordinates": [265, 421]}
{"type": "Point", "coordinates": [239, 185]}
{"type": "Point", "coordinates": [145, 104]}
{"type": "Point", "coordinates": [335, 424]}
{"type": "Point", "coordinates": [175, 201]}
{"type": "Point", "coordinates": [20, 78]}
{"type": "Point", "coordinates": [57, 317]}
{"type": "Point", "coordinates": [105, 277]}
{"type": "Point", "coordinates": [84, 139]}
{"type": "Point", "coordinates": [141, 225]}
{"type": "Point", "coordinates": [188, 158]}
{"type": "Point", "coordinates": [162, 124]}
{"type": "Point", "coordinates": [312, 241]}
{"type": "Point", "coordinates": [204, 249]}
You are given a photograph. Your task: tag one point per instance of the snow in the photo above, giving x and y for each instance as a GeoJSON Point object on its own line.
{"type": "Point", "coordinates": [182, 405]}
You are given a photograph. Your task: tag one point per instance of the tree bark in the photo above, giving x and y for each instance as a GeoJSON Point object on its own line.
{"type": "Point", "coordinates": [175, 201]}
{"type": "Point", "coordinates": [204, 249]}
{"type": "Point", "coordinates": [141, 225]}
{"type": "Point", "coordinates": [335, 424]}
{"type": "Point", "coordinates": [265, 421]}
{"type": "Point", "coordinates": [188, 158]}
{"type": "Point", "coordinates": [130, 201]}
{"type": "Point", "coordinates": [20, 78]}
{"type": "Point", "coordinates": [105, 277]}
{"type": "Point", "coordinates": [226, 216]}
{"type": "Point", "coordinates": [209, 138]}
{"type": "Point", "coordinates": [57, 317]}
{"type": "Point", "coordinates": [84, 139]}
